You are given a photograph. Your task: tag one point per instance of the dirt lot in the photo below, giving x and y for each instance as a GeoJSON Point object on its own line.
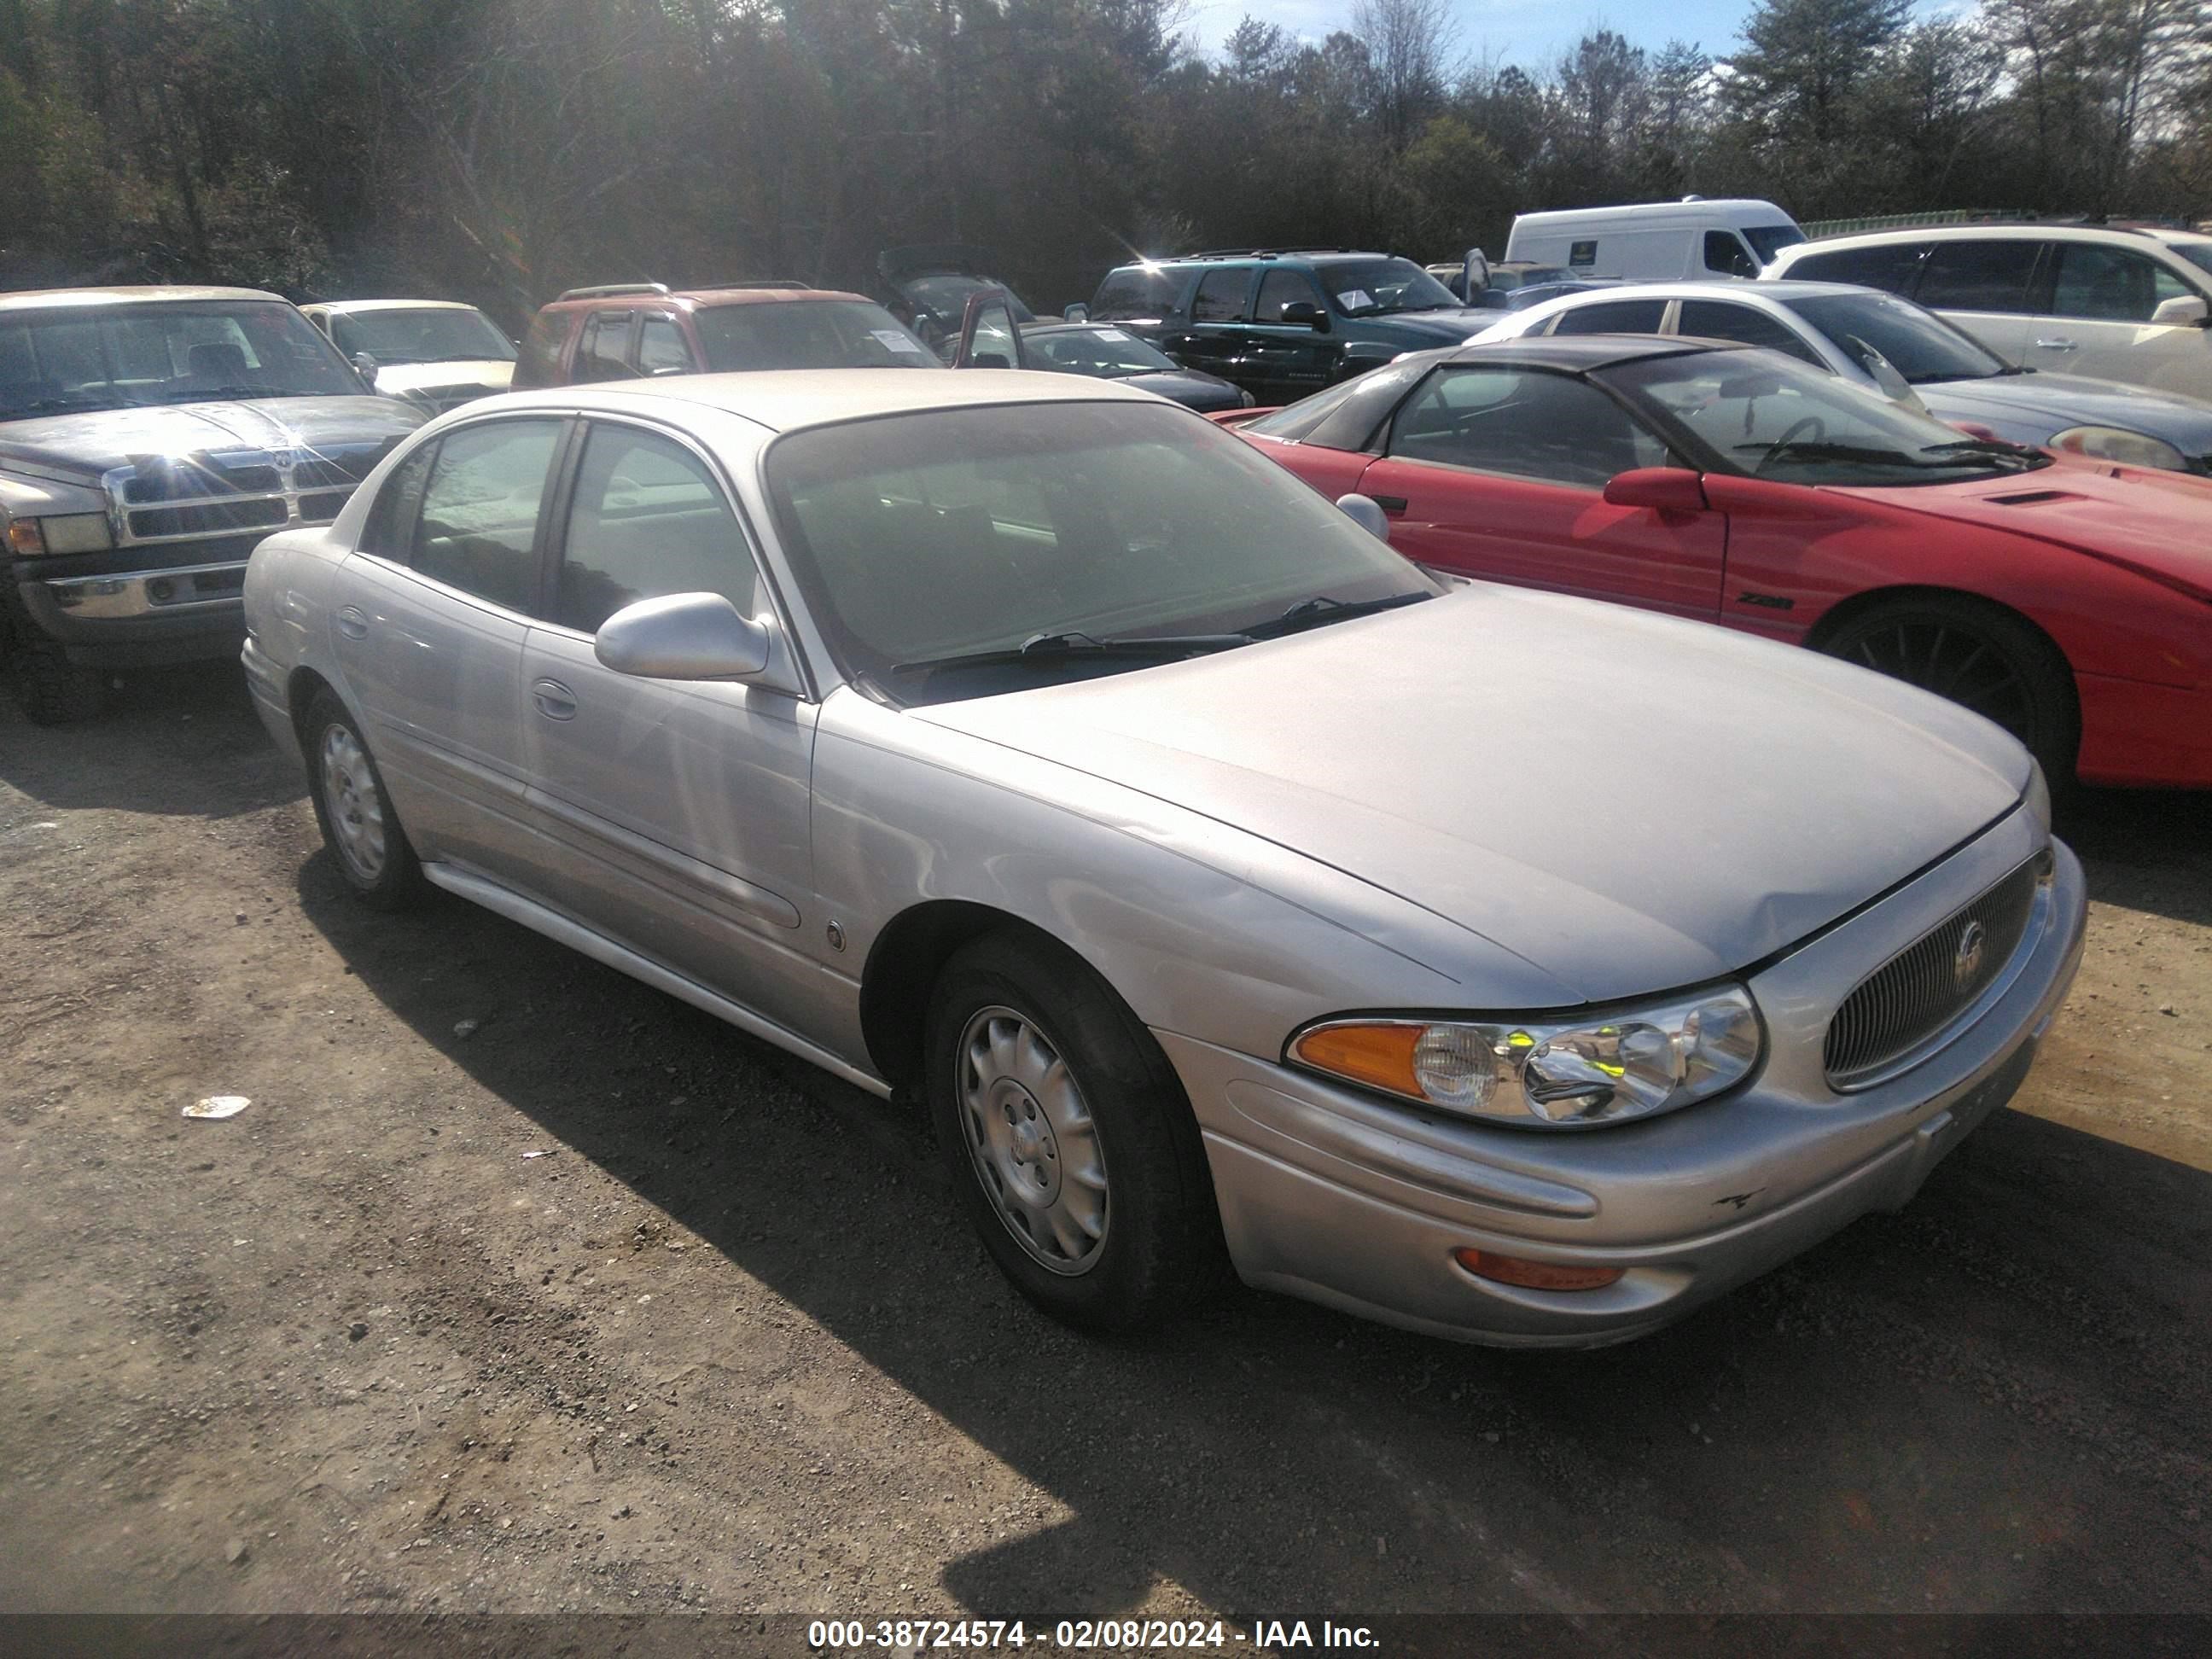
{"type": "Point", "coordinates": [725, 1346]}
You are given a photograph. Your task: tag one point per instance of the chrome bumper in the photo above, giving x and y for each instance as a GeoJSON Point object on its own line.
{"type": "Point", "coordinates": [1338, 1196]}
{"type": "Point", "coordinates": [198, 588]}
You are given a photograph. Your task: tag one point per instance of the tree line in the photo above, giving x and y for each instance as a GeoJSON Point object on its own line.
{"type": "Point", "coordinates": [499, 151]}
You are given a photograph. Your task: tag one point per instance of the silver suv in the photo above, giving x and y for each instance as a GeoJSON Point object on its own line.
{"type": "Point", "coordinates": [2092, 300]}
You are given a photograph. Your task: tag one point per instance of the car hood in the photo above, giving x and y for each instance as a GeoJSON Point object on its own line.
{"type": "Point", "coordinates": [2050, 403]}
{"type": "Point", "coordinates": [1438, 327]}
{"type": "Point", "coordinates": [2140, 519]}
{"type": "Point", "coordinates": [1207, 394]}
{"type": "Point", "coordinates": [1630, 802]}
{"type": "Point", "coordinates": [492, 373]}
{"type": "Point", "coordinates": [84, 446]}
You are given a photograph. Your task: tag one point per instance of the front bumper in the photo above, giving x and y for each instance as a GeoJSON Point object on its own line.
{"type": "Point", "coordinates": [138, 618]}
{"type": "Point", "coordinates": [1338, 1196]}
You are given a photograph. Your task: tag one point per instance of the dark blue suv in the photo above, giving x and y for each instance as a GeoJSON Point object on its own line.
{"type": "Point", "coordinates": [1284, 323]}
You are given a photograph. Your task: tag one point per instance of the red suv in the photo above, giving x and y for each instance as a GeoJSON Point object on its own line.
{"type": "Point", "coordinates": [629, 330]}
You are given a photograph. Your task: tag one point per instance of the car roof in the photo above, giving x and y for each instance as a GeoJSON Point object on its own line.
{"type": "Point", "coordinates": [786, 400]}
{"type": "Point", "coordinates": [2013, 228]}
{"type": "Point", "coordinates": [41, 299]}
{"type": "Point", "coordinates": [1581, 353]}
{"type": "Point", "coordinates": [1311, 256]}
{"type": "Point", "coordinates": [696, 298]}
{"type": "Point", "coordinates": [350, 307]}
{"type": "Point", "coordinates": [1774, 291]}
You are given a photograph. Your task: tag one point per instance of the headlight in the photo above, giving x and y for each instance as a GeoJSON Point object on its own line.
{"type": "Point", "coordinates": [65, 533]}
{"type": "Point", "coordinates": [1556, 1073]}
{"type": "Point", "coordinates": [2110, 443]}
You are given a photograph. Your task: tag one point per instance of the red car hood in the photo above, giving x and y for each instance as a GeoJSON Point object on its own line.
{"type": "Point", "coordinates": [2140, 519]}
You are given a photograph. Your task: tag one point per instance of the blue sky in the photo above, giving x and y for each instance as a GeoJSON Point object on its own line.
{"type": "Point", "coordinates": [1530, 33]}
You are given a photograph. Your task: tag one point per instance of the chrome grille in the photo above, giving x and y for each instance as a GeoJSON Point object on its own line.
{"type": "Point", "coordinates": [1921, 990]}
{"type": "Point", "coordinates": [182, 497]}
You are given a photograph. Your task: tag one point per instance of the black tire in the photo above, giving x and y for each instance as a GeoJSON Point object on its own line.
{"type": "Point", "coordinates": [51, 690]}
{"type": "Point", "coordinates": [1160, 1246]}
{"type": "Point", "coordinates": [393, 881]}
{"type": "Point", "coordinates": [1980, 656]}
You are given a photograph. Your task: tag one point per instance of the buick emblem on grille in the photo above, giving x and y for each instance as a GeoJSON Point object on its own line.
{"type": "Point", "coordinates": [1967, 959]}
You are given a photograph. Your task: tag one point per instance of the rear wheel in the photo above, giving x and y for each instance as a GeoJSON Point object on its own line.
{"type": "Point", "coordinates": [1068, 1136]}
{"type": "Point", "coordinates": [1979, 656]}
{"type": "Point", "coordinates": [355, 810]}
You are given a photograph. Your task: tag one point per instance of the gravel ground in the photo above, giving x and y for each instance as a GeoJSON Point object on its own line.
{"type": "Point", "coordinates": [724, 1346]}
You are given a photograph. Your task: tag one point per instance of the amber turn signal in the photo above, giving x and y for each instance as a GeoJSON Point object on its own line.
{"type": "Point", "coordinates": [1381, 1056]}
{"type": "Point", "coordinates": [1534, 1275]}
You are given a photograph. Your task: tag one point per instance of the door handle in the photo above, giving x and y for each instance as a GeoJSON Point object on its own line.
{"type": "Point", "coordinates": [2057, 345]}
{"type": "Point", "coordinates": [554, 701]}
{"type": "Point", "coordinates": [352, 622]}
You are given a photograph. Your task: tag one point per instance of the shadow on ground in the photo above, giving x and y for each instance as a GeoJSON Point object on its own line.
{"type": "Point", "coordinates": [1995, 1399]}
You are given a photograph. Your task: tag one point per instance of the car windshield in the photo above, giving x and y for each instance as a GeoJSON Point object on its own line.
{"type": "Point", "coordinates": [946, 294]}
{"type": "Point", "coordinates": [948, 532]}
{"type": "Point", "coordinates": [1760, 413]}
{"type": "Point", "coordinates": [1108, 353]}
{"type": "Point", "coordinates": [808, 334]}
{"type": "Point", "coordinates": [1918, 344]}
{"type": "Point", "coordinates": [2197, 254]}
{"type": "Point", "coordinates": [72, 359]}
{"type": "Point", "coordinates": [1767, 241]}
{"type": "Point", "coordinates": [1377, 287]}
{"type": "Point", "coordinates": [425, 335]}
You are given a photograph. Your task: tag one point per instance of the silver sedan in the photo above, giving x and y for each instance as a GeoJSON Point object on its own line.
{"type": "Point", "coordinates": [1497, 964]}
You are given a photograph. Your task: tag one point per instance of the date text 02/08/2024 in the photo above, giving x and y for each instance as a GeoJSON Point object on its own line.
{"type": "Point", "coordinates": [1115, 1635]}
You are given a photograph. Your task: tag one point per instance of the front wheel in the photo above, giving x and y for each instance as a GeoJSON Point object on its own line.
{"type": "Point", "coordinates": [1979, 656]}
{"type": "Point", "coordinates": [1068, 1137]}
{"type": "Point", "coordinates": [351, 805]}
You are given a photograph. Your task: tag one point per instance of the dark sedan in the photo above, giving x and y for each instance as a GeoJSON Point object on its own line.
{"type": "Point", "coordinates": [1108, 353]}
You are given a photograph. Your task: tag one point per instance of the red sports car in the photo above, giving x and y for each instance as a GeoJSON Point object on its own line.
{"type": "Point", "coordinates": [2068, 600]}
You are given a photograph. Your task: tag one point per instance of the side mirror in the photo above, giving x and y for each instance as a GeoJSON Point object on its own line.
{"type": "Point", "coordinates": [683, 636]}
{"type": "Point", "coordinates": [366, 366]}
{"type": "Point", "coordinates": [1662, 488]}
{"type": "Point", "coordinates": [1307, 313]}
{"type": "Point", "coordinates": [1365, 512]}
{"type": "Point", "coordinates": [2183, 311]}
{"type": "Point", "coordinates": [1076, 315]}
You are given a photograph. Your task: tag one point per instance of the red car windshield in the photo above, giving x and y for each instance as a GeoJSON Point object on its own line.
{"type": "Point", "coordinates": [1760, 413]}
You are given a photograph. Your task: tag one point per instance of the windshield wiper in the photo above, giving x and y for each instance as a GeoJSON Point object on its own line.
{"type": "Point", "coordinates": [201, 394]}
{"type": "Point", "coordinates": [1074, 644]}
{"type": "Point", "coordinates": [1326, 608]}
{"type": "Point", "coordinates": [1996, 448]}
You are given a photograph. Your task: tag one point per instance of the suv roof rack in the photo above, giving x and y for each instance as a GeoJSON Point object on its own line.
{"type": "Point", "coordinates": [753, 281]}
{"type": "Point", "coordinates": [606, 290]}
{"type": "Point", "coordinates": [1257, 252]}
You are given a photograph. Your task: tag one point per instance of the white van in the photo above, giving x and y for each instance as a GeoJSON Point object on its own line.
{"type": "Point", "coordinates": [1687, 240]}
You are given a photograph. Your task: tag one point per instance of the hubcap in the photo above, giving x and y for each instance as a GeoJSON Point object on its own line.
{"type": "Point", "coordinates": [357, 811]}
{"type": "Point", "coordinates": [1032, 1140]}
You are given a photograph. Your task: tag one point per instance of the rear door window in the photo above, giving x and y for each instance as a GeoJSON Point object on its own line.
{"type": "Point", "coordinates": [1221, 297]}
{"type": "Point", "coordinates": [478, 530]}
{"type": "Point", "coordinates": [1978, 275]}
{"type": "Point", "coordinates": [1614, 317]}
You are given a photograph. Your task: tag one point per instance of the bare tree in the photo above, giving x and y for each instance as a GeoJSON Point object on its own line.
{"type": "Point", "coordinates": [1412, 46]}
